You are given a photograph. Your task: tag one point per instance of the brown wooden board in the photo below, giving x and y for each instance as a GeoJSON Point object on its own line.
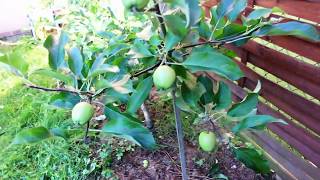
{"type": "Point", "coordinates": [306, 143]}
{"type": "Point", "coordinates": [302, 75]}
{"type": "Point", "coordinates": [296, 106]}
{"type": "Point", "coordinates": [308, 9]}
{"type": "Point", "coordinates": [299, 46]}
{"type": "Point", "coordinates": [287, 165]}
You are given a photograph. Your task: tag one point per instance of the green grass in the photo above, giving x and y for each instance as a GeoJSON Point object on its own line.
{"type": "Point", "coordinates": [21, 108]}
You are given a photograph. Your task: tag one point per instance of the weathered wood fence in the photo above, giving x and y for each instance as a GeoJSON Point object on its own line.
{"type": "Point", "coordinates": [294, 63]}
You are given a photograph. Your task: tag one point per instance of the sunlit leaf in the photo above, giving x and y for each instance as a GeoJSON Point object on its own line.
{"type": "Point", "coordinates": [254, 121]}
{"type": "Point", "coordinates": [140, 95]}
{"type": "Point", "coordinates": [56, 50]}
{"type": "Point", "coordinates": [213, 61]}
{"type": "Point", "coordinates": [64, 100]}
{"type": "Point", "coordinates": [245, 106]}
{"type": "Point", "coordinates": [75, 61]}
{"type": "Point", "coordinates": [293, 28]}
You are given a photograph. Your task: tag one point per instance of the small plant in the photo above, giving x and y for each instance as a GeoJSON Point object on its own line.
{"type": "Point", "coordinates": [115, 66]}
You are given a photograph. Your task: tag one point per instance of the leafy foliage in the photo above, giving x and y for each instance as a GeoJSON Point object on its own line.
{"type": "Point", "coordinates": [98, 56]}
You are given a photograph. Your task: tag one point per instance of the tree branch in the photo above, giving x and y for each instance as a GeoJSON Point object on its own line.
{"type": "Point", "coordinates": [59, 90]}
{"type": "Point", "coordinates": [146, 70]}
{"type": "Point", "coordinates": [160, 18]}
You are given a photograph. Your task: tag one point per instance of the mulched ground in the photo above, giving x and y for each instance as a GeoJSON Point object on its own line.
{"type": "Point", "coordinates": [163, 163]}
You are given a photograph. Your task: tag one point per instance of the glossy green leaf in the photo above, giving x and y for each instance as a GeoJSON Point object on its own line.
{"type": "Point", "coordinates": [244, 107]}
{"type": "Point", "coordinates": [31, 135]}
{"type": "Point", "coordinates": [213, 61]}
{"type": "Point", "coordinates": [64, 100]}
{"type": "Point", "coordinates": [75, 61]}
{"type": "Point", "coordinates": [171, 40]}
{"type": "Point", "coordinates": [259, 13]}
{"type": "Point", "coordinates": [176, 24]}
{"type": "Point", "coordinates": [140, 50]}
{"type": "Point", "coordinates": [293, 28]}
{"type": "Point", "coordinates": [59, 132]}
{"type": "Point", "coordinates": [192, 96]}
{"type": "Point", "coordinates": [139, 95]}
{"type": "Point", "coordinates": [53, 74]}
{"type": "Point", "coordinates": [114, 49]}
{"type": "Point", "coordinates": [254, 121]}
{"type": "Point", "coordinates": [208, 96]}
{"type": "Point", "coordinates": [56, 50]}
{"type": "Point", "coordinates": [253, 159]}
{"type": "Point", "coordinates": [98, 67]}
{"type": "Point", "coordinates": [223, 97]}
{"type": "Point", "coordinates": [231, 8]}
{"type": "Point", "coordinates": [192, 11]}
{"type": "Point", "coordinates": [204, 30]}
{"type": "Point", "coordinates": [127, 127]}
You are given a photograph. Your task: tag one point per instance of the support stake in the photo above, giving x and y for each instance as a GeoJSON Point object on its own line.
{"type": "Point", "coordinates": [179, 130]}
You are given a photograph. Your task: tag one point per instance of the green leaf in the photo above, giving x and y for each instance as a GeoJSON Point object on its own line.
{"type": "Point", "coordinates": [208, 96]}
{"type": "Point", "coordinates": [140, 50]}
{"type": "Point", "coordinates": [56, 50]}
{"type": "Point", "coordinates": [15, 60]}
{"type": "Point", "coordinates": [253, 159]}
{"type": "Point", "coordinates": [204, 30]}
{"type": "Point", "coordinates": [231, 8]}
{"type": "Point", "coordinates": [59, 132]}
{"type": "Point", "coordinates": [75, 61]}
{"type": "Point", "coordinates": [232, 29]}
{"type": "Point", "coordinates": [114, 49]}
{"type": "Point", "coordinates": [213, 61]}
{"type": "Point", "coordinates": [112, 112]}
{"type": "Point", "coordinates": [244, 107]}
{"type": "Point", "coordinates": [127, 127]}
{"type": "Point", "coordinates": [171, 40]}
{"type": "Point", "coordinates": [176, 24]}
{"type": "Point", "coordinates": [98, 67]}
{"type": "Point", "coordinates": [223, 97]}
{"type": "Point", "coordinates": [192, 96]}
{"type": "Point", "coordinates": [254, 121]}
{"type": "Point", "coordinates": [293, 28]}
{"type": "Point", "coordinates": [31, 135]}
{"type": "Point", "coordinates": [192, 11]}
{"type": "Point", "coordinates": [53, 74]}
{"type": "Point", "coordinates": [64, 100]}
{"type": "Point", "coordinates": [139, 95]}
{"type": "Point", "coordinates": [259, 13]}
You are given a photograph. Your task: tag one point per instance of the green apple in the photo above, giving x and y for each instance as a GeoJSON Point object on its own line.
{"type": "Point", "coordinates": [163, 77]}
{"type": "Point", "coordinates": [207, 141]}
{"type": "Point", "coordinates": [82, 113]}
{"type": "Point", "coordinates": [138, 4]}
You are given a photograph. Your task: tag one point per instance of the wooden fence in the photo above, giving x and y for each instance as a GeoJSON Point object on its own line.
{"type": "Point", "coordinates": [301, 113]}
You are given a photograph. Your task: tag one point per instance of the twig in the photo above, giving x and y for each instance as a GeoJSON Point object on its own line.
{"type": "Point", "coordinates": [59, 90]}
{"type": "Point", "coordinates": [160, 18]}
{"type": "Point", "coordinates": [179, 130]}
{"type": "Point", "coordinates": [146, 70]}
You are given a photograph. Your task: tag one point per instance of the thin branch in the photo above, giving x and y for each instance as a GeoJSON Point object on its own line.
{"type": "Point", "coordinates": [58, 90]}
{"type": "Point", "coordinates": [146, 70]}
{"type": "Point", "coordinates": [160, 18]}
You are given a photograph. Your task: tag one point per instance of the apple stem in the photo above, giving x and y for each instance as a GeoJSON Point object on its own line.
{"type": "Point", "coordinates": [179, 130]}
